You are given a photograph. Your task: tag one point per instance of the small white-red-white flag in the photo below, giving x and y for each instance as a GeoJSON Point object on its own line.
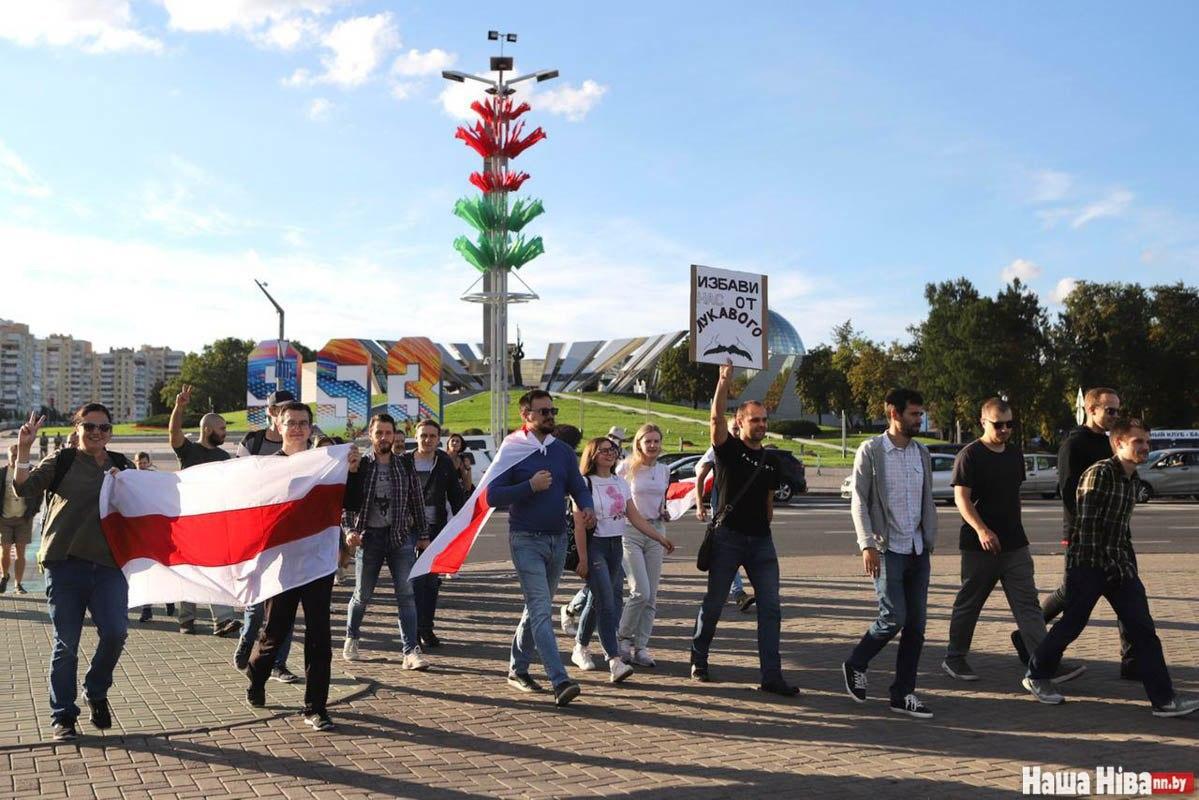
{"type": "Point", "coordinates": [230, 532]}
{"type": "Point", "coordinates": [680, 496]}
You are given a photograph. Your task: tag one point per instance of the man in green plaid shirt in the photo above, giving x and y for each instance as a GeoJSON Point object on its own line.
{"type": "Point", "coordinates": [1100, 562]}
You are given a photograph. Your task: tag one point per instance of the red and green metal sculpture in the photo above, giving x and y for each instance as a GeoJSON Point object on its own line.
{"type": "Point", "coordinates": [498, 138]}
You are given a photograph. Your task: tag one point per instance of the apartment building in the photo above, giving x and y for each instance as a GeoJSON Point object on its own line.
{"type": "Point", "coordinates": [66, 371]}
{"type": "Point", "coordinates": [20, 389]}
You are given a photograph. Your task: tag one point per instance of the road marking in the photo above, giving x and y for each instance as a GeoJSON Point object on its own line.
{"type": "Point", "coordinates": [1184, 527]}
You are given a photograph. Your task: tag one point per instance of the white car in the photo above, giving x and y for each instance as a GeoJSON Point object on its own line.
{"type": "Point", "coordinates": [1040, 476]}
{"type": "Point", "coordinates": [942, 472]}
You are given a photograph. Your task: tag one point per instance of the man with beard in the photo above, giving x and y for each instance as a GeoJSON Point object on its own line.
{"type": "Point", "coordinates": [190, 454]}
{"type": "Point", "coordinates": [896, 524]}
{"type": "Point", "coordinates": [746, 477]}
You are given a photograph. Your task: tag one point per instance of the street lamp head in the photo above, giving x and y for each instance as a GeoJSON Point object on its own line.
{"type": "Point", "coordinates": [493, 36]}
{"type": "Point", "coordinates": [546, 75]}
{"type": "Point", "coordinates": [510, 37]}
{"type": "Point", "coordinates": [451, 75]}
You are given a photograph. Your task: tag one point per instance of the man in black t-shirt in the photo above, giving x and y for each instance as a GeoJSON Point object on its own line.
{"type": "Point", "coordinates": [746, 477]}
{"type": "Point", "coordinates": [987, 475]}
{"type": "Point", "coordinates": [189, 453]}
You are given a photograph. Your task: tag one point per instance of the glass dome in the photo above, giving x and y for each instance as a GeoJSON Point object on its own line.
{"type": "Point", "coordinates": [782, 340]}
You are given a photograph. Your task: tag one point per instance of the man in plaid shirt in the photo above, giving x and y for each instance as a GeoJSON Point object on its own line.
{"type": "Point", "coordinates": [1100, 562]}
{"type": "Point", "coordinates": [390, 526]}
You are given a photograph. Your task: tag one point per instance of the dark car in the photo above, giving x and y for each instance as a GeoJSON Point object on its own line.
{"type": "Point", "coordinates": [793, 479]}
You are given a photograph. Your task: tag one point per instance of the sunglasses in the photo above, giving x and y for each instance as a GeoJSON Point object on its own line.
{"type": "Point", "coordinates": [545, 412]}
{"type": "Point", "coordinates": [103, 427]}
{"type": "Point", "coordinates": [1000, 425]}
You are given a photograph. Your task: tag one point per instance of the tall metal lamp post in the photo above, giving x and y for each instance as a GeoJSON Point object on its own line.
{"type": "Point", "coordinates": [499, 248]}
{"type": "Point", "coordinates": [281, 352]}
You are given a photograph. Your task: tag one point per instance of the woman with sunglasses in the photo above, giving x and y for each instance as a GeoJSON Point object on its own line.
{"type": "Point", "coordinates": [601, 551]}
{"type": "Point", "coordinates": [648, 481]}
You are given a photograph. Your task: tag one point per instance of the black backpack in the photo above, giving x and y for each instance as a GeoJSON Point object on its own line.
{"type": "Point", "coordinates": [253, 440]}
{"type": "Point", "coordinates": [66, 457]}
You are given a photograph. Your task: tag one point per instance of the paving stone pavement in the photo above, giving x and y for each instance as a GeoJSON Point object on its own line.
{"type": "Point", "coordinates": [458, 731]}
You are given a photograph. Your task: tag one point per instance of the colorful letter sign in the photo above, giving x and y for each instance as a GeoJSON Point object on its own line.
{"type": "Point", "coordinates": [343, 368]}
{"type": "Point", "coordinates": [261, 379]}
{"type": "Point", "coordinates": [414, 380]}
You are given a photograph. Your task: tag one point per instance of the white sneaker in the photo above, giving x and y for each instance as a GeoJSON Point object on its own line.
{"type": "Point", "coordinates": [625, 649]}
{"type": "Point", "coordinates": [415, 661]}
{"type": "Point", "coordinates": [569, 626]}
{"type": "Point", "coordinates": [583, 659]}
{"type": "Point", "coordinates": [642, 658]}
{"type": "Point", "coordinates": [619, 669]}
{"type": "Point", "coordinates": [349, 650]}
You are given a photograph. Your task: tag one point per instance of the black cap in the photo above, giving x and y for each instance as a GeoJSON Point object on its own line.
{"type": "Point", "coordinates": [281, 396]}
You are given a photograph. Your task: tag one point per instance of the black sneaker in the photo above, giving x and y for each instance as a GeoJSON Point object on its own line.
{"type": "Point", "coordinates": [855, 682]}
{"type": "Point", "coordinates": [64, 732]}
{"type": "Point", "coordinates": [779, 687]}
{"type": "Point", "coordinates": [21, 589]}
{"type": "Point", "coordinates": [146, 615]}
{"type": "Point", "coordinates": [319, 722]}
{"type": "Point", "coordinates": [3, 584]}
{"type": "Point", "coordinates": [101, 713]}
{"type": "Point", "coordinates": [565, 692]}
{"type": "Point", "coordinates": [522, 681]}
{"type": "Point", "coordinates": [241, 660]}
{"type": "Point", "coordinates": [700, 674]}
{"type": "Point", "coordinates": [429, 640]}
{"type": "Point", "coordinates": [958, 668]}
{"type": "Point", "coordinates": [745, 602]}
{"type": "Point", "coordinates": [256, 697]}
{"type": "Point", "coordinates": [227, 628]}
{"type": "Point", "coordinates": [911, 706]}
{"type": "Point", "coordinates": [188, 627]}
{"type": "Point", "coordinates": [170, 609]}
{"type": "Point", "coordinates": [1021, 650]}
{"type": "Point", "coordinates": [284, 675]}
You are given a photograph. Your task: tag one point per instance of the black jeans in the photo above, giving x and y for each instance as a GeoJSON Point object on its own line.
{"type": "Point", "coordinates": [1055, 604]}
{"type": "Point", "coordinates": [316, 597]}
{"type": "Point", "coordinates": [1084, 587]}
{"type": "Point", "coordinates": [425, 590]}
{"type": "Point", "coordinates": [730, 551]}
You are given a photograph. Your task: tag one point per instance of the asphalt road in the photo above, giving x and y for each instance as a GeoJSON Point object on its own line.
{"type": "Point", "coordinates": [814, 525]}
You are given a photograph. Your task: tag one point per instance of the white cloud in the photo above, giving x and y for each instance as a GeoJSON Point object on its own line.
{"type": "Point", "coordinates": [94, 26]}
{"type": "Point", "coordinates": [569, 102]}
{"type": "Point", "coordinates": [17, 177]}
{"type": "Point", "coordinates": [414, 63]}
{"type": "Point", "coordinates": [319, 109]}
{"type": "Point", "coordinates": [1063, 289]}
{"type": "Point", "coordinates": [1115, 204]}
{"type": "Point", "coordinates": [1021, 268]}
{"type": "Point", "coordinates": [402, 91]}
{"type": "Point", "coordinates": [566, 101]}
{"type": "Point", "coordinates": [1050, 186]}
{"type": "Point", "coordinates": [176, 201]}
{"type": "Point", "coordinates": [356, 47]}
{"type": "Point", "coordinates": [282, 24]}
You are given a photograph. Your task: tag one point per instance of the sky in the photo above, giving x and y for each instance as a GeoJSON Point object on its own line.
{"type": "Point", "coordinates": [157, 156]}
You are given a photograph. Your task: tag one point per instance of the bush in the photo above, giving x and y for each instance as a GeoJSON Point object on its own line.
{"type": "Point", "coordinates": [163, 420]}
{"type": "Point", "coordinates": [794, 427]}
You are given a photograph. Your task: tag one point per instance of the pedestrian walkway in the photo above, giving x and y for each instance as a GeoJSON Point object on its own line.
{"type": "Point", "coordinates": [458, 731]}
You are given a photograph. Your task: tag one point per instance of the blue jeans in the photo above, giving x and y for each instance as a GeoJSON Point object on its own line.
{"type": "Point", "coordinates": [1084, 587]}
{"type": "Point", "coordinates": [902, 589]}
{"type": "Point", "coordinates": [251, 624]}
{"type": "Point", "coordinates": [375, 550]}
{"type": "Point", "coordinates": [730, 551]}
{"type": "Point", "coordinates": [605, 578]}
{"type": "Point", "coordinates": [538, 558]}
{"type": "Point", "coordinates": [75, 586]}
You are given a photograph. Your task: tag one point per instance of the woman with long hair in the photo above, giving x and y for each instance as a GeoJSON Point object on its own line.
{"type": "Point", "coordinates": [455, 445]}
{"type": "Point", "coordinates": [601, 551]}
{"type": "Point", "coordinates": [648, 481]}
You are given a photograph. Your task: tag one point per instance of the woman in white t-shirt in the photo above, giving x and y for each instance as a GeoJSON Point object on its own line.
{"type": "Point", "coordinates": [648, 481]}
{"type": "Point", "coordinates": [601, 552]}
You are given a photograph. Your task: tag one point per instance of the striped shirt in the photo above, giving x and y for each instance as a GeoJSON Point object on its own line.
{"type": "Point", "coordinates": [904, 470]}
{"type": "Point", "coordinates": [1100, 535]}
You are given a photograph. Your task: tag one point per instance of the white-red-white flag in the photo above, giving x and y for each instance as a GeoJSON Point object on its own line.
{"type": "Point", "coordinates": [230, 532]}
{"type": "Point", "coordinates": [447, 553]}
{"type": "Point", "coordinates": [680, 496]}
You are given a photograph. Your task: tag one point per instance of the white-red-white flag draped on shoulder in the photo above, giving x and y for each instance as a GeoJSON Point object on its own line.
{"type": "Point", "coordinates": [230, 532]}
{"type": "Point", "coordinates": [447, 553]}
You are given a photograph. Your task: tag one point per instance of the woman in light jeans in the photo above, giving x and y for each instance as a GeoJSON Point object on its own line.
{"type": "Point", "coordinates": [601, 552]}
{"type": "Point", "coordinates": [648, 481]}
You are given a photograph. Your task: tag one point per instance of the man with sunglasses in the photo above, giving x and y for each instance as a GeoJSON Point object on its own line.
{"type": "Point", "coordinates": [1085, 445]}
{"type": "Point", "coordinates": [987, 474]}
{"type": "Point", "coordinates": [81, 574]}
{"type": "Point", "coordinates": [535, 489]}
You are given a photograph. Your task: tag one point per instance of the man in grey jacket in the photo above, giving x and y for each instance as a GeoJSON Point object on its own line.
{"type": "Point", "coordinates": [896, 525]}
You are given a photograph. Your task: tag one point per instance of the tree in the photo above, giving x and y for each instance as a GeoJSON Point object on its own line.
{"type": "Point", "coordinates": [679, 378]}
{"type": "Point", "coordinates": [1174, 343]}
{"type": "Point", "coordinates": [307, 354]}
{"type": "Point", "coordinates": [818, 383]}
{"type": "Point", "coordinates": [875, 373]}
{"type": "Point", "coordinates": [157, 404]}
{"type": "Point", "coordinates": [218, 374]}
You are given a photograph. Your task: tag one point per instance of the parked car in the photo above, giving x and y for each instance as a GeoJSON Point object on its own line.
{"type": "Point", "coordinates": [1169, 473]}
{"type": "Point", "coordinates": [1040, 476]}
{"type": "Point", "coordinates": [942, 472]}
{"type": "Point", "coordinates": [792, 482]}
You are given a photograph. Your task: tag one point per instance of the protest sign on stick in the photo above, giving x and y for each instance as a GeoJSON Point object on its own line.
{"type": "Point", "coordinates": [728, 317]}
